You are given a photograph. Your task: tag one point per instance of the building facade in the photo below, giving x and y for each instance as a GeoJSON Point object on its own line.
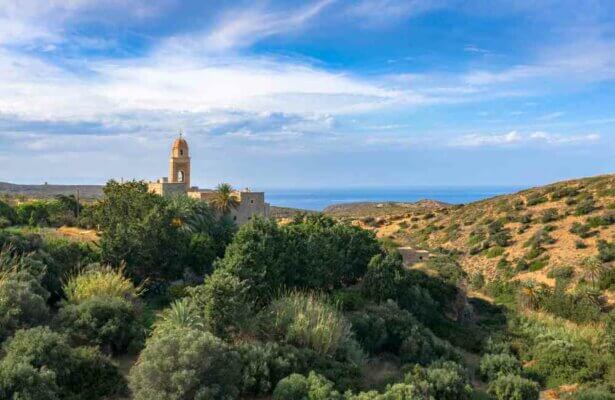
{"type": "Point", "coordinates": [250, 203]}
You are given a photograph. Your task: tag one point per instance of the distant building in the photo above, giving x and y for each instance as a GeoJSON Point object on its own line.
{"type": "Point", "coordinates": [178, 182]}
{"type": "Point", "coordinates": [412, 256]}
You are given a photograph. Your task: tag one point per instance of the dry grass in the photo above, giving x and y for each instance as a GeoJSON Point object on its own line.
{"type": "Point", "coordinates": [306, 319]}
{"type": "Point", "coordinates": [102, 281]}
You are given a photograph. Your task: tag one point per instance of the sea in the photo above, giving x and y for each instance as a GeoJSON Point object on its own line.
{"type": "Point", "coordinates": [318, 199]}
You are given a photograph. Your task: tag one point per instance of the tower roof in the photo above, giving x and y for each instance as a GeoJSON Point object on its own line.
{"type": "Point", "coordinates": [180, 147]}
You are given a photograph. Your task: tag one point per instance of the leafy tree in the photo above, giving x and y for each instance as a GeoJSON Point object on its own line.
{"type": "Point", "coordinates": [137, 227]}
{"type": "Point", "coordinates": [299, 387]}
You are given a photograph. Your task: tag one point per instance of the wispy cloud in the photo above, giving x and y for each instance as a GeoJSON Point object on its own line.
{"type": "Point", "coordinates": [515, 138]}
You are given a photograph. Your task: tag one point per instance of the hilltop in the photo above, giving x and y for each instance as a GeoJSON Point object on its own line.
{"type": "Point", "coordinates": [524, 235]}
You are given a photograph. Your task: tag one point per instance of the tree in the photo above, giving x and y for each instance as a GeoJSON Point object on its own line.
{"type": "Point", "coordinates": [137, 227]}
{"type": "Point", "coordinates": [224, 199]}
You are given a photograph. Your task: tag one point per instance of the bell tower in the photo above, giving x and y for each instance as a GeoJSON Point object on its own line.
{"type": "Point", "coordinates": [179, 163]}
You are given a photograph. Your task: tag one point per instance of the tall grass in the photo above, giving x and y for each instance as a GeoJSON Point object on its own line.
{"type": "Point", "coordinates": [101, 281]}
{"type": "Point", "coordinates": [308, 320]}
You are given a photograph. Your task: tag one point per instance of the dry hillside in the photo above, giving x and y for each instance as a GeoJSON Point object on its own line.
{"type": "Point", "coordinates": [525, 234]}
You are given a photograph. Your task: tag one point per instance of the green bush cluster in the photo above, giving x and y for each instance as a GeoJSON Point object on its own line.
{"type": "Point", "coordinates": [41, 364]}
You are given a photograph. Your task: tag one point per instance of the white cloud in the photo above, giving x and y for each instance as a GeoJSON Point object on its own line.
{"type": "Point", "coordinates": [514, 138]}
{"type": "Point", "coordinates": [378, 12]}
{"type": "Point", "coordinates": [239, 28]}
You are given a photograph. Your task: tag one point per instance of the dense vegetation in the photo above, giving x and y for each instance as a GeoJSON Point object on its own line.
{"type": "Point", "coordinates": [315, 308]}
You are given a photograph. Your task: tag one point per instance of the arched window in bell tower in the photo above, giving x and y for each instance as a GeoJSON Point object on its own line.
{"type": "Point", "coordinates": [180, 176]}
{"type": "Point", "coordinates": [181, 152]}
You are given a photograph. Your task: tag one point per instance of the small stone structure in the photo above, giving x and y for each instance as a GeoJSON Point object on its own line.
{"type": "Point", "coordinates": [412, 256]}
{"type": "Point", "coordinates": [178, 183]}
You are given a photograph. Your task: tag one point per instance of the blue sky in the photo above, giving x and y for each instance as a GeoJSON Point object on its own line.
{"type": "Point", "coordinates": [308, 94]}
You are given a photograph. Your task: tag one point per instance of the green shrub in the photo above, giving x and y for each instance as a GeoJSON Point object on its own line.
{"type": "Point", "coordinates": [566, 191]}
{"type": "Point", "coordinates": [299, 387]}
{"type": "Point", "coordinates": [513, 387]}
{"type": "Point", "coordinates": [581, 230]}
{"type": "Point", "coordinates": [186, 364]}
{"type": "Point", "coordinates": [110, 323]}
{"type": "Point", "coordinates": [562, 272]}
{"type": "Point", "coordinates": [22, 302]}
{"type": "Point", "coordinates": [608, 218]}
{"type": "Point", "coordinates": [549, 215]}
{"type": "Point", "coordinates": [594, 394]}
{"type": "Point", "coordinates": [606, 251]}
{"type": "Point", "coordinates": [585, 207]}
{"type": "Point", "coordinates": [494, 252]}
{"type": "Point", "coordinates": [181, 313]}
{"type": "Point", "coordinates": [577, 307]}
{"type": "Point", "coordinates": [579, 244]}
{"type": "Point", "coordinates": [23, 381]}
{"type": "Point", "coordinates": [223, 302]}
{"type": "Point", "coordinates": [535, 199]}
{"type": "Point", "coordinates": [477, 281]}
{"type": "Point", "coordinates": [560, 361]}
{"type": "Point", "coordinates": [380, 280]}
{"type": "Point", "coordinates": [442, 381]}
{"type": "Point", "coordinates": [494, 365]}
{"type": "Point", "coordinates": [606, 281]}
{"type": "Point", "coordinates": [80, 373]}
{"type": "Point", "coordinates": [307, 320]}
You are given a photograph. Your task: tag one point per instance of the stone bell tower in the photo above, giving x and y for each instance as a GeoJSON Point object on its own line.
{"type": "Point", "coordinates": [179, 163]}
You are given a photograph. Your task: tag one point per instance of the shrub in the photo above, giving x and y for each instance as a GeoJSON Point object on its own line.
{"type": "Point", "coordinates": [494, 252]}
{"type": "Point", "coordinates": [223, 302]}
{"type": "Point", "coordinates": [560, 361]}
{"type": "Point", "coordinates": [535, 199]}
{"type": "Point", "coordinates": [181, 313]}
{"type": "Point", "coordinates": [102, 282]}
{"type": "Point", "coordinates": [581, 230]}
{"type": "Point", "coordinates": [494, 365]}
{"type": "Point", "coordinates": [579, 308]}
{"type": "Point", "coordinates": [585, 207]}
{"type": "Point", "coordinates": [594, 394]}
{"type": "Point", "coordinates": [23, 381]}
{"type": "Point", "coordinates": [299, 387]}
{"type": "Point", "coordinates": [80, 373]}
{"type": "Point", "coordinates": [110, 323]}
{"type": "Point", "coordinates": [442, 381]}
{"type": "Point", "coordinates": [566, 191]}
{"type": "Point", "coordinates": [549, 215]}
{"type": "Point", "coordinates": [477, 281]}
{"type": "Point", "coordinates": [380, 280]}
{"type": "Point", "coordinates": [606, 251]}
{"type": "Point", "coordinates": [307, 320]}
{"type": "Point", "coordinates": [513, 387]}
{"type": "Point", "coordinates": [579, 244]}
{"type": "Point", "coordinates": [385, 327]}
{"type": "Point", "coordinates": [186, 364]}
{"type": "Point", "coordinates": [562, 272]}
{"type": "Point", "coordinates": [606, 281]}
{"type": "Point", "coordinates": [22, 302]}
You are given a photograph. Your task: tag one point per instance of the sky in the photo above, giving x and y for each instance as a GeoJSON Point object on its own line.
{"type": "Point", "coordinates": [299, 94]}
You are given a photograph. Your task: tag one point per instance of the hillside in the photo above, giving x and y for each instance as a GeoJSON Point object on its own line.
{"type": "Point", "coordinates": [525, 234]}
{"type": "Point", "coordinates": [47, 191]}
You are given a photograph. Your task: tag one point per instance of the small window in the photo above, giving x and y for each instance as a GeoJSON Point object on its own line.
{"type": "Point", "coordinates": [181, 152]}
{"type": "Point", "coordinates": [235, 218]}
{"type": "Point", "coordinates": [251, 201]}
{"type": "Point", "coordinates": [180, 176]}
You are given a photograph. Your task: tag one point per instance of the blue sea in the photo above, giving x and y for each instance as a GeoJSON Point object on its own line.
{"type": "Point", "coordinates": [319, 199]}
